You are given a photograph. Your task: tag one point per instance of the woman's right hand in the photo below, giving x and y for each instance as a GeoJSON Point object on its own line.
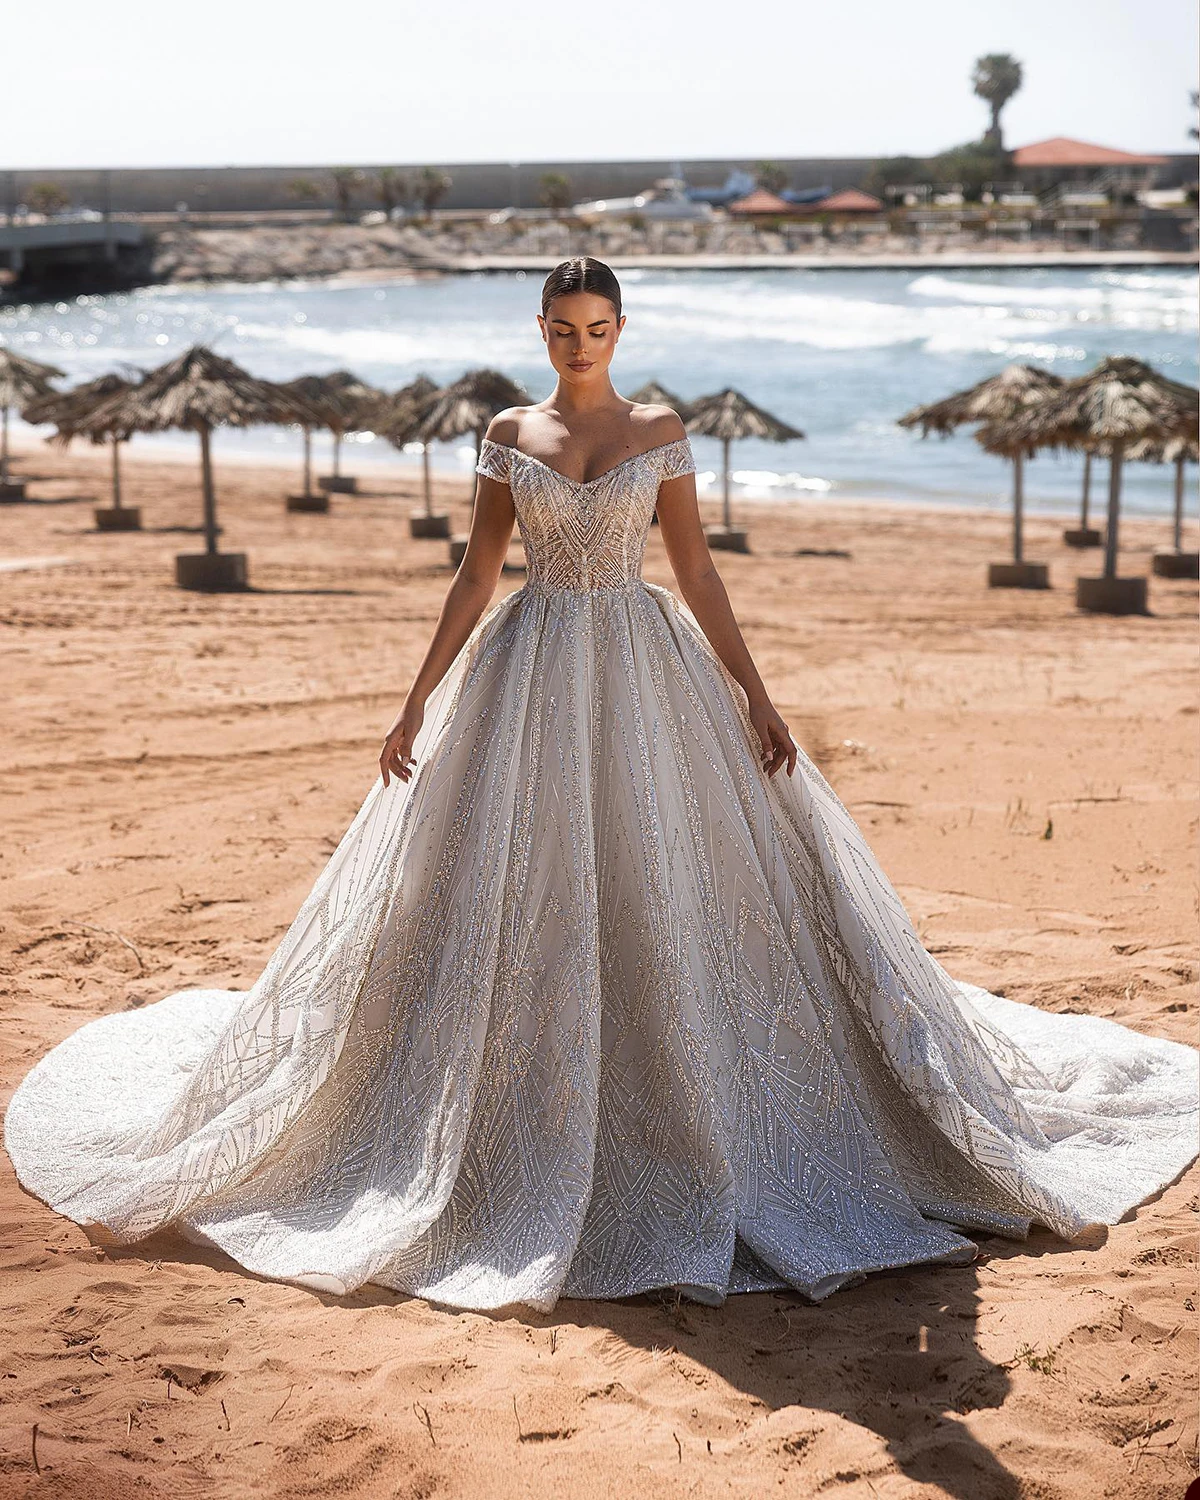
{"type": "Point", "coordinates": [395, 759]}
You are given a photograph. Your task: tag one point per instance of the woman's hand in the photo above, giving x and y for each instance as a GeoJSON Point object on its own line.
{"type": "Point", "coordinates": [777, 744]}
{"type": "Point", "coordinates": [395, 759]}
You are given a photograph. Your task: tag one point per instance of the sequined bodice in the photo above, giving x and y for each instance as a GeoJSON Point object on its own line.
{"type": "Point", "coordinates": [584, 534]}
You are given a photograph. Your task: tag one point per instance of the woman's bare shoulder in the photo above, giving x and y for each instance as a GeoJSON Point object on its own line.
{"type": "Point", "coordinates": [505, 426]}
{"type": "Point", "coordinates": [659, 424]}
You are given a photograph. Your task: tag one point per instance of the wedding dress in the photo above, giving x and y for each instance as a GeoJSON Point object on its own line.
{"type": "Point", "coordinates": [593, 1006]}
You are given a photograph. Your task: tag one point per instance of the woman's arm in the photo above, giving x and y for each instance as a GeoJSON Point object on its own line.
{"type": "Point", "coordinates": [704, 593]}
{"type": "Point", "coordinates": [470, 590]}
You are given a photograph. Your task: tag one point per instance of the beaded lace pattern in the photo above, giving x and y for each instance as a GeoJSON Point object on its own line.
{"type": "Point", "coordinates": [591, 1005]}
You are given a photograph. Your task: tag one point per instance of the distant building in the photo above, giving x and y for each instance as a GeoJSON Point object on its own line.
{"type": "Point", "coordinates": [760, 201]}
{"type": "Point", "coordinates": [1063, 160]}
{"type": "Point", "coordinates": [848, 201]}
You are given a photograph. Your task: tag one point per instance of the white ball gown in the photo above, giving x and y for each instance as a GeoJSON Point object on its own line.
{"type": "Point", "coordinates": [593, 1006]}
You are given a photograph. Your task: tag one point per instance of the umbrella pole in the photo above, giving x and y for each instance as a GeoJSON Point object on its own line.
{"type": "Point", "coordinates": [1114, 509]}
{"type": "Point", "coordinates": [1087, 491]}
{"type": "Point", "coordinates": [1179, 462]}
{"type": "Point", "coordinates": [426, 480]}
{"type": "Point", "coordinates": [725, 511]}
{"type": "Point", "coordinates": [337, 454]}
{"type": "Point", "coordinates": [210, 499]}
{"type": "Point", "coordinates": [1018, 507]}
{"type": "Point", "coordinates": [307, 463]}
{"type": "Point", "coordinates": [4, 451]}
{"type": "Point", "coordinates": [116, 473]}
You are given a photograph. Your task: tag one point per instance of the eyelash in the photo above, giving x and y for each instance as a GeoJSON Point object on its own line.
{"type": "Point", "coordinates": [596, 335]}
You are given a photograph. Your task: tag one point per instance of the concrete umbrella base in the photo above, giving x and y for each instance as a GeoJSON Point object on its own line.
{"type": "Point", "coordinates": [309, 504]}
{"type": "Point", "coordinates": [338, 484]}
{"type": "Point", "coordinates": [422, 525]}
{"type": "Point", "coordinates": [1111, 596]}
{"type": "Point", "coordinates": [1022, 575]}
{"type": "Point", "coordinates": [1083, 536]}
{"type": "Point", "coordinates": [458, 550]}
{"type": "Point", "coordinates": [114, 518]}
{"type": "Point", "coordinates": [727, 539]}
{"type": "Point", "coordinates": [1175, 565]}
{"type": "Point", "coordinates": [11, 489]}
{"type": "Point", "coordinates": [212, 572]}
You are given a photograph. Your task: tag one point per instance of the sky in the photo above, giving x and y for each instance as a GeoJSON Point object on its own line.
{"type": "Point", "coordinates": [271, 83]}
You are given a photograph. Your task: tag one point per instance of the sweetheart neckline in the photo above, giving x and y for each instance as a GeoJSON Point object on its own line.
{"type": "Point", "coordinates": [583, 484]}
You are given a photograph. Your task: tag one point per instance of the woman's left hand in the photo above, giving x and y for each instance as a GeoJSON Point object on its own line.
{"type": "Point", "coordinates": [774, 737]}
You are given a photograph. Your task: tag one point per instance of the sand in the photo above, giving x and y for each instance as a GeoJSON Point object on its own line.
{"type": "Point", "coordinates": [174, 769]}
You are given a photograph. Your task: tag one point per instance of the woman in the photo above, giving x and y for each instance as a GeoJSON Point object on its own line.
{"type": "Point", "coordinates": [590, 1000]}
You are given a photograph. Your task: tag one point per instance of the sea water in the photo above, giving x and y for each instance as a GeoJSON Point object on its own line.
{"type": "Point", "coordinates": [838, 354]}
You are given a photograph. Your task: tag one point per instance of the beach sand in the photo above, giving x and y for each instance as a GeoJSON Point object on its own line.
{"type": "Point", "coordinates": [174, 771]}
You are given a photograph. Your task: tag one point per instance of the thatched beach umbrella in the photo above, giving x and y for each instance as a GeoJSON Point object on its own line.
{"type": "Point", "coordinates": [466, 405]}
{"type": "Point", "coordinates": [728, 415]}
{"type": "Point", "coordinates": [200, 390]}
{"type": "Point", "coordinates": [73, 413]}
{"type": "Point", "coordinates": [1085, 534]}
{"type": "Point", "coordinates": [653, 394]}
{"type": "Point", "coordinates": [339, 403]}
{"type": "Point", "coordinates": [1000, 398]}
{"type": "Point", "coordinates": [346, 404]}
{"type": "Point", "coordinates": [1119, 403]}
{"type": "Point", "coordinates": [1179, 451]}
{"type": "Point", "coordinates": [21, 380]}
{"type": "Point", "coordinates": [397, 420]}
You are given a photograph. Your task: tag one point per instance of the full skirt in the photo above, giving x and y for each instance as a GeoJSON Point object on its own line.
{"type": "Point", "coordinates": [592, 1006]}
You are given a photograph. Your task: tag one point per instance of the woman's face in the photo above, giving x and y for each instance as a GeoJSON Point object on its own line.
{"type": "Point", "coordinates": [580, 331]}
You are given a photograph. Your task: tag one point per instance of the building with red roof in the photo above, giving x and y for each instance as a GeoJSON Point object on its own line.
{"type": "Point", "coordinates": [760, 201]}
{"type": "Point", "coordinates": [1061, 159]}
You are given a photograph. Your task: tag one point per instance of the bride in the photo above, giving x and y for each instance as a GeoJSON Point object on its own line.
{"type": "Point", "coordinates": [591, 1000]}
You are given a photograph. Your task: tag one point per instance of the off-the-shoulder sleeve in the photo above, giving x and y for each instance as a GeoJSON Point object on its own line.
{"type": "Point", "coordinates": [677, 459]}
{"type": "Point", "coordinates": [495, 460]}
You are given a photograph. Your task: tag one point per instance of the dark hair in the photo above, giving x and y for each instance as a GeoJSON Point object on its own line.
{"type": "Point", "coordinates": [582, 273]}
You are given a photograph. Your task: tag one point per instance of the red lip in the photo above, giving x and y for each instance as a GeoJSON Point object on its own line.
{"type": "Point", "coordinates": [587, 366]}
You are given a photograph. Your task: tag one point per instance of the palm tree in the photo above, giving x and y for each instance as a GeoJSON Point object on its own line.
{"type": "Point", "coordinates": [996, 78]}
{"type": "Point", "coordinates": [346, 180]}
{"type": "Point", "coordinates": [771, 176]}
{"type": "Point", "coordinates": [554, 190]}
{"type": "Point", "coordinates": [432, 187]}
{"type": "Point", "coordinates": [391, 187]}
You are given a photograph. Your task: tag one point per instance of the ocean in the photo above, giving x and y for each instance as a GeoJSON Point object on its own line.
{"type": "Point", "coordinates": [838, 354]}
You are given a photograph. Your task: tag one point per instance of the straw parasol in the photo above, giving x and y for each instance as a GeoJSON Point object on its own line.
{"type": "Point", "coordinates": [1179, 451]}
{"type": "Point", "coordinates": [653, 394]}
{"type": "Point", "coordinates": [1121, 402]}
{"type": "Point", "coordinates": [729, 415]}
{"type": "Point", "coordinates": [200, 390]}
{"type": "Point", "coordinates": [347, 404]}
{"type": "Point", "coordinates": [339, 403]}
{"type": "Point", "coordinates": [21, 380]}
{"type": "Point", "coordinates": [396, 420]}
{"type": "Point", "coordinates": [72, 412]}
{"type": "Point", "coordinates": [466, 405]}
{"type": "Point", "coordinates": [1001, 398]}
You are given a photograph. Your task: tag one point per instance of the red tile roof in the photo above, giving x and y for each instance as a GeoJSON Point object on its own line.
{"type": "Point", "coordinates": [849, 200]}
{"type": "Point", "coordinates": [1062, 151]}
{"type": "Point", "coordinates": [761, 202]}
